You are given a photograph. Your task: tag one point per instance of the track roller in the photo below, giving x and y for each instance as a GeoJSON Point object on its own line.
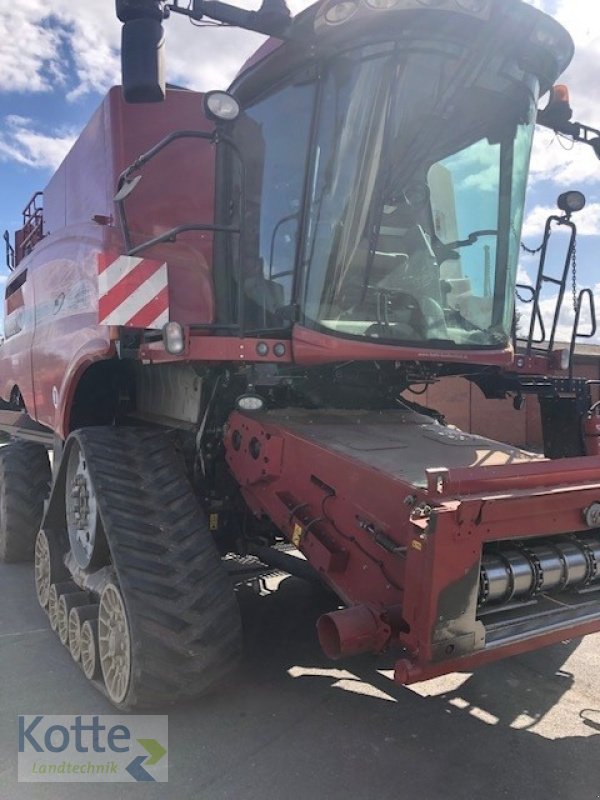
{"type": "Point", "coordinates": [66, 602]}
{"type": "Point", "coordinates": [90, 660]}
{"type": "Point", "coordinates": [48, 566]}
{"type": "Point", "coordinates": [54, 594]}
{"type": "Point", "coordinates": [77, 616]}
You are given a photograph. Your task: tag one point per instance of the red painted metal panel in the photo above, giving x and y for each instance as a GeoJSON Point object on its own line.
{"type": "Point", "coordinates": [67, 334]}
{"type": "Point", "coordinates": [410, 555]}
{"type": "Point", "coordinates": [313, 348]}
{"type": "Point", "coordinates": [15, 351]}
{"type": "Point", "coordinates": [218, 348]}
{"type": "Point", "coordinates": [177, 187]}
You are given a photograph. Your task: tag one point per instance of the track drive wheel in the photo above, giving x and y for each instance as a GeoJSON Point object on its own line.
{"type": "Point", "coordinates": [168, 624]}
{"type": "Point", "coordinates": [25, 478]}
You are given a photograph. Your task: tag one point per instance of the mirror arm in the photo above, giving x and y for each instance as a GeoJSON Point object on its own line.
{"type": "Point", "coordinates": [272, 19]}
{"type": "Point", "coordinates": [576, 130]}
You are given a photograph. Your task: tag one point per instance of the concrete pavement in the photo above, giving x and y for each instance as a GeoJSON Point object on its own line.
{"type": "Point", "coordinates": [295, 726]}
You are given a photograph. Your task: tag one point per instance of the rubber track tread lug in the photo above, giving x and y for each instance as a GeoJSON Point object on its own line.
{"type": "Point", "coordinates": [184, 618]}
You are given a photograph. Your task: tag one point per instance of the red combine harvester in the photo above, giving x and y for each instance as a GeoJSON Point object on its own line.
{"type": "Point", "coordinates": [215, 341]}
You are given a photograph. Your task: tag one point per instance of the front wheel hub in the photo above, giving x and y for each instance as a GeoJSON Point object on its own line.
{"type": "Point", "coordinates": [81, 509]}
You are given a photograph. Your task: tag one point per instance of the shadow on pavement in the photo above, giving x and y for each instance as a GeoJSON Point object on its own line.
{"type": "Point", "coordinates": [295, 726]}
{"type": "Point", "coordinates": [516, 728]}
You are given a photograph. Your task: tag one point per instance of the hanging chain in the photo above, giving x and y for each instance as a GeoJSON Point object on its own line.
{"type": "Point", "coordinates": [574, 268]}
{"type": "Point", "coordinates": [530, 251]}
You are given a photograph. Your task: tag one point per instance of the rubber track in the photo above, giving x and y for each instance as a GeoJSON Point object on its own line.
{"type": "Point", "coordinates": [183, 613]}
{"type": "Point", "coordinates": [25, 478]}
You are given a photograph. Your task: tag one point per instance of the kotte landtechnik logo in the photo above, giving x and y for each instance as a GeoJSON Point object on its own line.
{"type": "Point", "coordinates": [93, 749]}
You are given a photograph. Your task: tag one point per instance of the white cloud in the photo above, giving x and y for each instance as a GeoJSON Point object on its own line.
{"type": "Point", "coordinates": [579, 165]}
{"type": "Point", "coordinates": [20, 142]}
{"type": "Point", "coordinates": [40, 42]}
{"type": "Point", "coordinates": [31, 44]}
{"type": "Point", "coordinates": [588, 221]}
{"type": "Point", "coordinates": [559, 160]}
{"type": "Point", "coordinates": [523, 276]}
{"type": "Point", "coordinates": [582, 19]}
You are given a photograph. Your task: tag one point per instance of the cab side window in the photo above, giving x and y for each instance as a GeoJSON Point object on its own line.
{"type": "Point", "coordinates": [273, 136]}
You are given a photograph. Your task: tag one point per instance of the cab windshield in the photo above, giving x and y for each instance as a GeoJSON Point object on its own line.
{"type": "Point", "coordinates": [416, 196]}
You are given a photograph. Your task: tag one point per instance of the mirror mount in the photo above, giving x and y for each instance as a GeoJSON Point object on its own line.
{"type": "Point", "coordinates": [557, 116]}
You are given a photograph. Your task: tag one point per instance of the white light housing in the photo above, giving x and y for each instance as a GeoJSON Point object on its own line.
{"type": "Point", "coordinates": [173, 338]}
{"type": "Point", "coordinates": [473, 6]}
{"type": "Point", "coordinates": [382, 5]}
{"type": "Point", "coordinates": [340, 12]}
{"type": "Point", "coordinates": [551, 36]}
{"type": "Point", "coordinates": [250, 402]}
{"type": "Point", "coordinates": [221, 106]}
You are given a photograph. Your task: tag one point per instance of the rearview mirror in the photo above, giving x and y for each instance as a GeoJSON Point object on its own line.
{"type": "Point", "coordinates": [143, 61]}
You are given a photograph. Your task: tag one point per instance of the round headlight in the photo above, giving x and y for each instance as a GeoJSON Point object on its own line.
{"type": "Point", "coordinates": [340, 12]}
{"type": "Point", "coordinates": [571, 202]}
{"type": "Point", "coordinates": [221, 106]}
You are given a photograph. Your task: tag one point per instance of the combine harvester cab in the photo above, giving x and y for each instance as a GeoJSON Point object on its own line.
{"type": "Point", "coordinates": [215, 319]}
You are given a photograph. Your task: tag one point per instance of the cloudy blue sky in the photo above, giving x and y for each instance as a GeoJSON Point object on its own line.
{"type": "Point", "coordinates": [58, 58]}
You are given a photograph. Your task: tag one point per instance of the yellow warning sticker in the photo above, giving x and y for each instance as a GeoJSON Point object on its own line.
{"type": "Point", "coordinates": [416, 544]}
{"type": "Point", "coordinates": [214, 522]}
{"type": "Point", "coordinates": [297, 535]}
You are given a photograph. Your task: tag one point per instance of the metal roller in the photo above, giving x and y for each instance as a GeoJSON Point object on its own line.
{"type": "Point", "coordinates": [518, 572]}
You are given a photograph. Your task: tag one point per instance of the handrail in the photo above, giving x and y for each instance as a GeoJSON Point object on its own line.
{"type": "Point", "coordinates": [10, 252]}
{"type": "Point", "coordinates": [33, 227]}
{"type": "Point", "coordinates": [217, 137]}
{"type": "Point", "coordinates": [536, 311]}
{"type": "Point", "coordinates": [576, 334]}
{"type": "Point", "coordinates": [543, 278]}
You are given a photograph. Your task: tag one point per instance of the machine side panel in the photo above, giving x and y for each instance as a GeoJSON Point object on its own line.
{"type": "Point", "coordinates": [177, 187]}
{"type": "Point", "coordinates": [19, 322]}
{"type": "Point", "coordinates": [67, 334]}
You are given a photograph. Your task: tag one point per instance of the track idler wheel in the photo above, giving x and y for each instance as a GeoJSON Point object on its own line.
{"type": "Point", "coordinates": [90, 659]}
{"type": "Point", "coordinates": [77, 616]}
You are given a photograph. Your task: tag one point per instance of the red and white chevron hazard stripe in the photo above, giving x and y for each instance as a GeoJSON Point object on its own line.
{"type": "Point", "coordinates": [133, 292]}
